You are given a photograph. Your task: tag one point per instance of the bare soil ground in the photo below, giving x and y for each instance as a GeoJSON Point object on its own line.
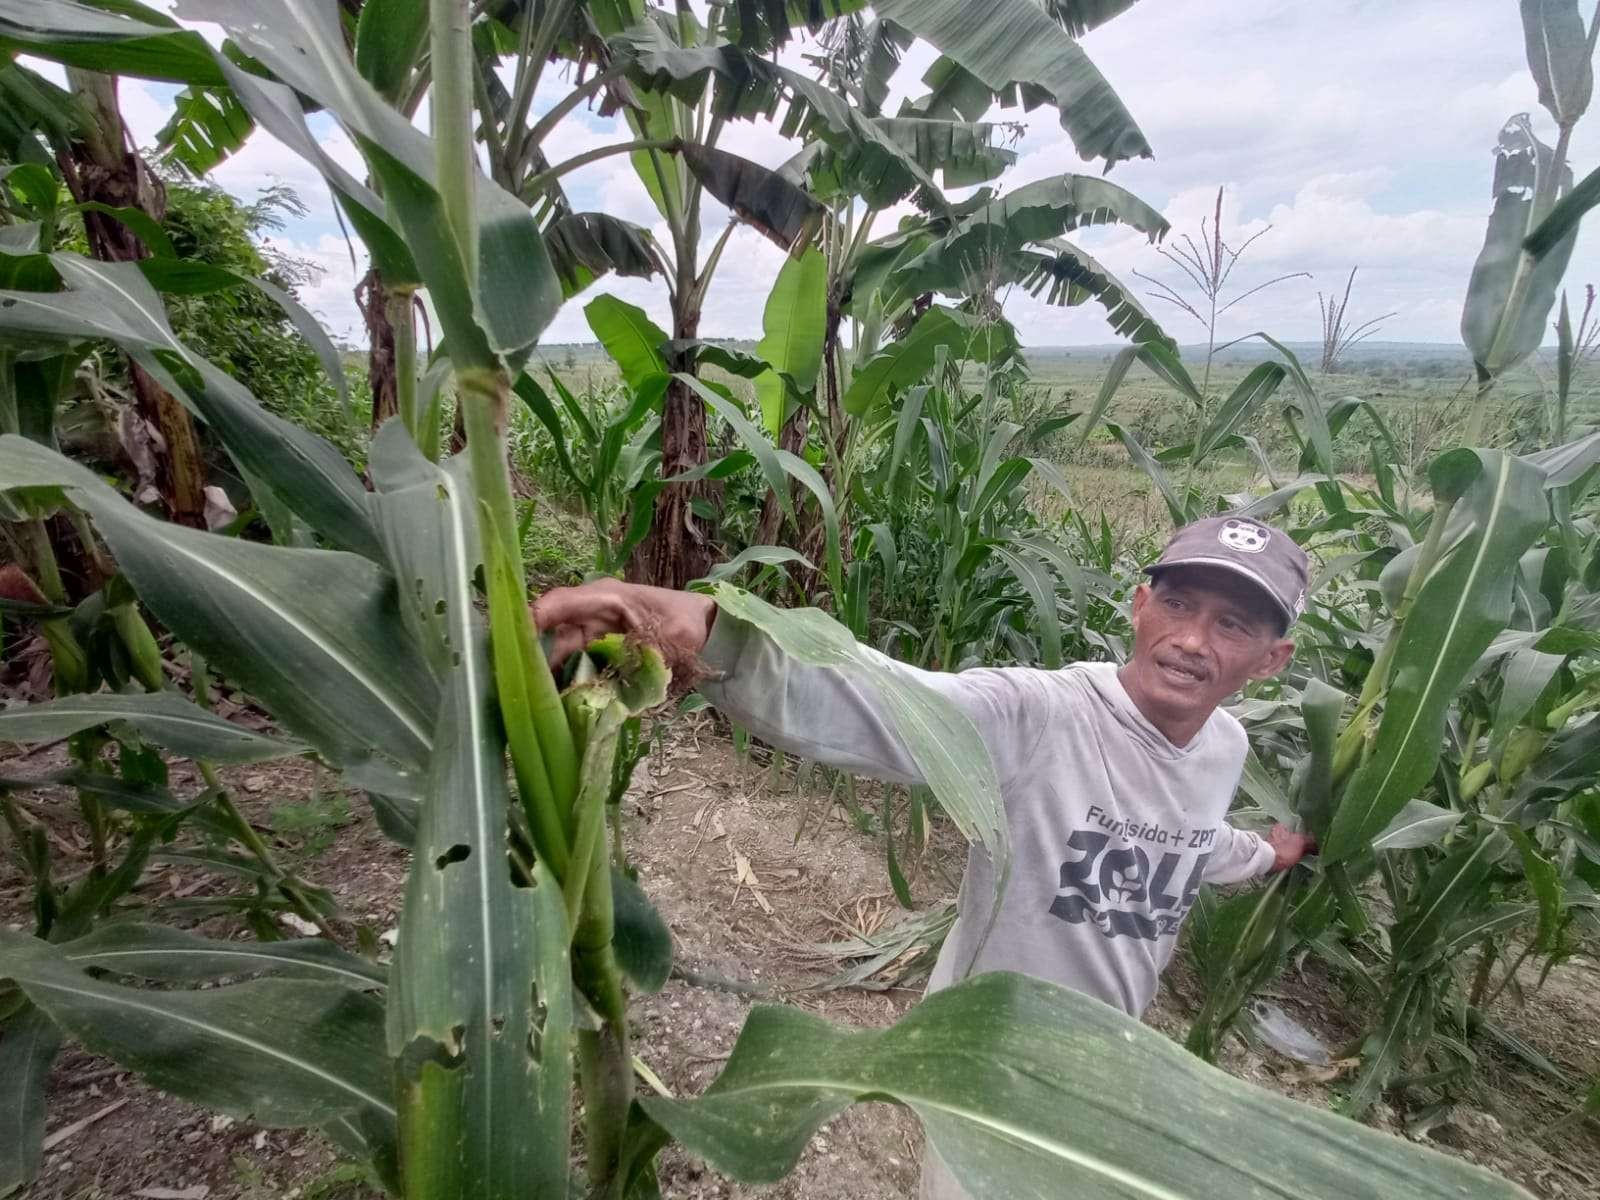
{"type": "Point", "coordinates": [715, 843]}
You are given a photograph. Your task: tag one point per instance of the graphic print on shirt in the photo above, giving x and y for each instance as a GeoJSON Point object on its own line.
{"type": "Point", "coordinates": [1128, 889]}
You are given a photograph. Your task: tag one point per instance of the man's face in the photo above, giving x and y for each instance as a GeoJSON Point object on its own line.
{"type": "Point", "coordinates": [1199, 635]}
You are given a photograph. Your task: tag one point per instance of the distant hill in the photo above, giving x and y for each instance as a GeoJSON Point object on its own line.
{"type": "Point", "coordinates": [1361, 357]}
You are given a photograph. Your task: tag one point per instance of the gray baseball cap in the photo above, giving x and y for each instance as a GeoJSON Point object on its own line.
{"type": "Point", "coordinates": [1267, 557]}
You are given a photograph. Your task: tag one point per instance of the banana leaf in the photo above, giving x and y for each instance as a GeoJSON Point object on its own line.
{"type": "Point", "coordinates": [630, 337]}
{"type": "Point", "coordinates": [122, 39]}
{"type": "Point", "coordinates": [793, 323]}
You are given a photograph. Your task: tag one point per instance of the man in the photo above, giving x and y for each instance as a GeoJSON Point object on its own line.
{"type": "Point", "coordinates": [1115, 781]}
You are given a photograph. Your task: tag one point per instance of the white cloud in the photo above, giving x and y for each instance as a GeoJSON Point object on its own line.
{"type": "Point", "coordinates": [1361, 133]}
{"type": "Point", "coordinates": [332, 296]}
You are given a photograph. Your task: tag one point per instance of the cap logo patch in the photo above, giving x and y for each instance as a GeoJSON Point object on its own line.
{"type": "Point", "coordinates": [1244, 536]}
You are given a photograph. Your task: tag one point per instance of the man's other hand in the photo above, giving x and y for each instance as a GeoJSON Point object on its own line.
{"type": "Point", "coordinates": [676, 623]}
{"type": "Point", "coordinates": [1289, 847]}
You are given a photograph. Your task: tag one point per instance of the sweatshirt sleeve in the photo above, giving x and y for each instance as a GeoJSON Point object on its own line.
{"type": "Point", "coordinates": [1238, 856]}
{"type": "Point", "coordinates": [836, 716]}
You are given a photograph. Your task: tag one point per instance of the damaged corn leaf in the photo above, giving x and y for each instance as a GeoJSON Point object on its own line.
{"type": "Point", "coordinates": [480, 1014]}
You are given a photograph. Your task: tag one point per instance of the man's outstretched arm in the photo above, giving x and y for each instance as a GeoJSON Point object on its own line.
{"type": "Point", "coordinates": [1240, 855]}
{"type": "Point", "coordinates": [829, 715]}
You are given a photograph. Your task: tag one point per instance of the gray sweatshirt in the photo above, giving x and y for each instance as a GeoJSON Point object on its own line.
{"type": "Point", "coordinates": [1113, 828]}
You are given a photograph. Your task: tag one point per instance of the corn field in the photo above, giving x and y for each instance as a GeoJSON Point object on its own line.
{"type": "Point", "coordinates": [879, 469]}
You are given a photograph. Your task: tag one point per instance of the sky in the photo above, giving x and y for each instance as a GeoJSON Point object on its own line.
{"type": "Point", "coordinates": [1357, 134]}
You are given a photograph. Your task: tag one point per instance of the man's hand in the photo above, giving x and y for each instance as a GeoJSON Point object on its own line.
{"type": "Point", "coordinates": [676, 623]}
{"type": "Point", "coordinates": [1289, 847]}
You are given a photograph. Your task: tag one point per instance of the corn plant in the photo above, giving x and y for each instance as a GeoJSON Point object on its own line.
{"type": "Point", "coordinates": [451, 1073]}
{"type": "Point", "coordinates": [1456, 779]}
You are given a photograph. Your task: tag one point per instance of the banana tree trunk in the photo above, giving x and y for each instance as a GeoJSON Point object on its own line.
{"type": "Point", "coordinates": [373, 298]}
{"type": "Point", "coordinates": [99, 167]}
{"type": "Point", "coordinates": [677, 548]}
{"type": "Point", "coordinates": [792, 437]}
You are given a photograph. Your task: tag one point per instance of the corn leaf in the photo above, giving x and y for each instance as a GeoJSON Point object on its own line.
{"type": "Point", "coordinates": [809, 478]}
{"type": "Point", "coordinates": [1562, 220]}
{"type": "Point", "coordinates": [1544, 880]}
{"type": "Point", "coordinates": [166, 955]}
{"type": "Point", "coordinates": [1525, 676]}
{"type": "Point", "coordinates": [1143, 460]}
{"type": "Point", "coordinates": [98, 38]}
{"type": "Point", "coordinates": [1254, 390]}
{"type": "Point", "coordinates": [164, 718]}
{"type": "Point", "coordinates": [1030, 572]}
{"type": "Point", "coordinates": [1320, 706]}
{"type": "Point", "coordinates": [1559, 56]}
{"type": "Point", "coordinates": [1451, 888]}
{"type": "Point", "coordinates": [480, 1009]}
{"type": "Point", "coordinates": [1050, 1110]}
{"type": "Point", "coordinates": [270, 618]}
{"type": "Point", "coordinates": [191, 277]}
{"type": "Point", "coordinates": [116, 301]}
{"type": "Point", "coordinates": [516, 292]}
{"type": "Point", "coordinates": [29, 1041]}
{"type": "Point", "coordinates": [280, 1052]}
{"type": "Point", "coordinates": [1419, 824]}
{"type": "Point", "coordinates": [641, 938]}
{"type": "Point", "coordinates": [1467, 601]}
{"type": "Point", "coordinates": [941, 740]}
{"type": "Point", "coordinates": [1521, 159]}
{"type": "Point", "coordinates": [277, 110]}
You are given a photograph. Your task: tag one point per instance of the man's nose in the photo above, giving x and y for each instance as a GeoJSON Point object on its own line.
{"type": "Point", "coordinates": [1190, 638]}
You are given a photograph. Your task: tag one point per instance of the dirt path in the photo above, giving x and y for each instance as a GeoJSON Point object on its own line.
{"type": "Point", "coordinates": [715, 844]}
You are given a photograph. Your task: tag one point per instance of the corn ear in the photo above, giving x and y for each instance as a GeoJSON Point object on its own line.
{"type": "Point", "coordinates": [547, 809]}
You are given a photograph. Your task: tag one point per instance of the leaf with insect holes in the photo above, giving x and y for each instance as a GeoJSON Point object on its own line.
{"type": "Point", "coordinates": [480, 1001]}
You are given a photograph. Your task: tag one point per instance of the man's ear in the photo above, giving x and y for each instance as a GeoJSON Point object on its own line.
{"type": "Point", "coordinates": [1141, 597]}
{"type": "Point", "coordinates": [1275, 659]}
